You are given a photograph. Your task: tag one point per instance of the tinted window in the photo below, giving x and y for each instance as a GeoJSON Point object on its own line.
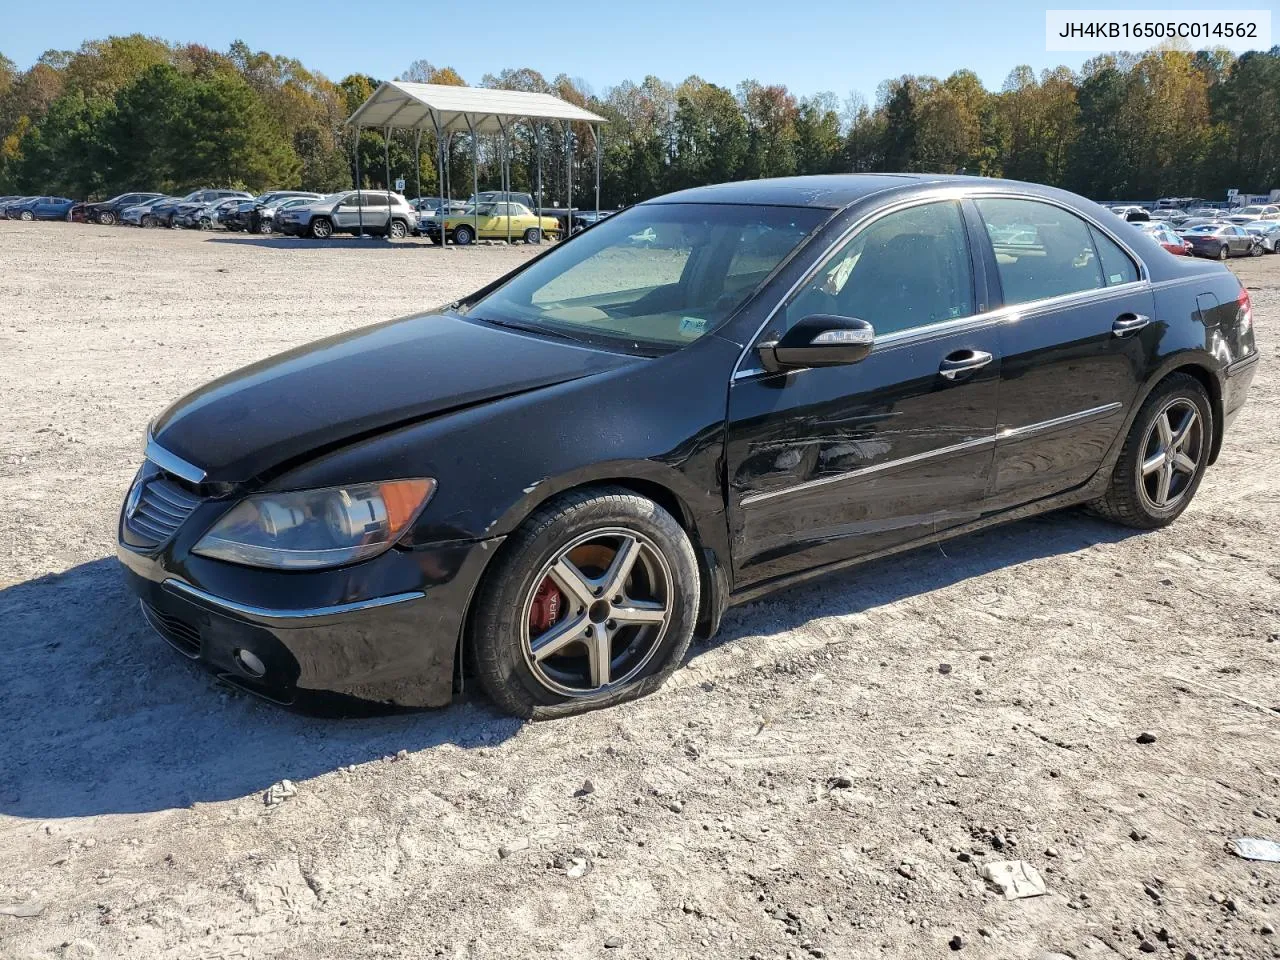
{"type": "Point", "coordinates": [656, 275]}
{"type": "Point", "coordinates": [1116, 265]}
{"type": "Point", "coordinates": [1041, 250]}
{"type": "Point", "coordinates": [375, 199]}
{"type": "Point", "coordinates": [908, 269]}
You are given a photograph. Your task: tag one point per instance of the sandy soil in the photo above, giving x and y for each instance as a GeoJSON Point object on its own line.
{"type": "Point", "coordinates": [811, 784]}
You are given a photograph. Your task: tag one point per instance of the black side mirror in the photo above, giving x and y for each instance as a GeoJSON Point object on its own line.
{"type": "Point", "coordinates": [821, 340]}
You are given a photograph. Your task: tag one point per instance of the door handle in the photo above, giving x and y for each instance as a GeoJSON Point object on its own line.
{"type": "Point", "coordinates": [963, 362]}
{"type": "Point", "coordinates": [1128, 323]}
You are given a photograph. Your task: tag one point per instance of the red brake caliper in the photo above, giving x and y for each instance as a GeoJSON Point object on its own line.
{"type": "Point", "coordinates": [546, 606]}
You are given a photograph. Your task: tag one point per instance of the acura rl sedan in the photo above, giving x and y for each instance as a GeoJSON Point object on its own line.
{"type": "Point", "coordinates": [551, 485]}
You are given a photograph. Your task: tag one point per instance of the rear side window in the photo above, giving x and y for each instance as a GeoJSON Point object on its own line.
{"type": "Point", "coordinates": [906, 270]}
{"type": "Point", "coordinates": [1041, 250]}
{"type": "Point", "coordinates": [1116, 265]}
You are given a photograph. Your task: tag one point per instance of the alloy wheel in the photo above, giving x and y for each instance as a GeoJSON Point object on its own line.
{"type": "Point", "coordinates": [106, 218]}
{"type": "Point", "coordinates": [1224, 252]}
{"type": "Point", "coordinates": [27, 215]}
{"type": "Point", "coordinates": [398, 230]}
{"type": "Point", "coordinates": [1171, 455]}
{"type": "Point", "coordinates": [597, 612]}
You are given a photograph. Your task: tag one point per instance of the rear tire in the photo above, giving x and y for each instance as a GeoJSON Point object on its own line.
{"type": "Point", "coordinates": [398, 230]}
{"type": "Point", "coordinates": [643, 567]}
{"type": "Point", "coordinates": [463, 236]}
{"type": "Point", "coordinates": [1161, 465]}
{"type": "Point", "coordinates": [321, 228]}
{"type": "Point", "coordinates": [1224, 252]}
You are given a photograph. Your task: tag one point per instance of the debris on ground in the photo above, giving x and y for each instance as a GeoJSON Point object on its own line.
{"type": "Point", "coordinates": [279, 792]}
{"type": "Point", "coordinates": [1251, 848]}
{"type": "Point", "coordinates": [513, 846]}
{"type": "Point", "coordinates": [1016, 879]}
{"type": "Point", "coordinates": [31, 909]}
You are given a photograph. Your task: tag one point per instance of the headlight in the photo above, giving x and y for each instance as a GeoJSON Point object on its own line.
{"type": "Point", "coordinates": [309, 529]}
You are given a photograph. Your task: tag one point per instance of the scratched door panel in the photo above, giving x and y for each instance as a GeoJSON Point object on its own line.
{"type": "Point", "coordinates": [832, 463]}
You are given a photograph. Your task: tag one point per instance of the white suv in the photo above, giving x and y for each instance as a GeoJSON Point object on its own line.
{"type": "Point", "coordinates": [373, 211]}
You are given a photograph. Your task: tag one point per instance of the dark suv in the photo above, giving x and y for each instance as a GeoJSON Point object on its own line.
{"type": "Point", "coordinates": [107, 212]}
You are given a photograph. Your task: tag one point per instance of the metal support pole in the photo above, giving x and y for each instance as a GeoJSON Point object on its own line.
{"type": "Point", "coordinates": [475, 176]}
{"type": "Point", "coordinates": [537, 146]}
{"type": "Point", "coordinates": [386, 151]}
{"type": "Point", "coordinates": [444, 232]}
{"type": "Point", "coordinates": [599, 150]}
{"type": "Point", "coordinates": [506, 178]}
{"type": "Point", "coordinates": [568, 147]}
{"type": "Point", "coordinates": [417, 159]}
{"type": "Point", "coordinates": [359, 205]}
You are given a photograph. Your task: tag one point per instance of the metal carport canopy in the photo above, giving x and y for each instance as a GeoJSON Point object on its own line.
{"type": "Point", "coordinates": [405, 105]}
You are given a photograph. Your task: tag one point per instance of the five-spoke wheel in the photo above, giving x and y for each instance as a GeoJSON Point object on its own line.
{"type": "Point", "coordinates": [1172, 452]}
{"type": "Point", "coordinates": [591, 602]}
{"type": "Point", "coordinates": [1164, 456]}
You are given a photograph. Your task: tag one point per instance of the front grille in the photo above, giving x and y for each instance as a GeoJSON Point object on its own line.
{"type": "Point", "coordinates": [181, 634]}
{"type": "Point", "coordinates": [161, 508]}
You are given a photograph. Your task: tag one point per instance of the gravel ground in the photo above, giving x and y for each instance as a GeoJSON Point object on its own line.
{"type": "Point", "coordinates": [823, 779]}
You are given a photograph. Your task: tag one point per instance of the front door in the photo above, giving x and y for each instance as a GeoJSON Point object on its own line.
{"type": "Point", "coordinates": [1074, 339]}
{"type": "Point", "coordinates": [828, 464]}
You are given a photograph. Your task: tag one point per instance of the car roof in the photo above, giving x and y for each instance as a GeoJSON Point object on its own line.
{"type": "Point", "coordinates": [838, 190]}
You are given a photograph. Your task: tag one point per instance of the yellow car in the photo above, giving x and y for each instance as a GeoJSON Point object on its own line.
{"type": "Point", "coordinates": [490, 220]}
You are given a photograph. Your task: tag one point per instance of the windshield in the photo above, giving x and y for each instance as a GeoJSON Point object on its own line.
{"type": "Point", "coordinates": [1251, 210]}
{"type": "Point", "coordinates": [657, 275]}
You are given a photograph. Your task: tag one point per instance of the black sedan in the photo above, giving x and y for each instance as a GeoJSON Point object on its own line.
{"type": "Point", "coordinates": [107, 212]}
{"type": "Point", "coordinates": [561, 479]}
{"type": "Point", "coordinates": [1221, 240]}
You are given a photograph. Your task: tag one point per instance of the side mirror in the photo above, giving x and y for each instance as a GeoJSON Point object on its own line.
{"type": "Point", "coordinates": [821, 340]}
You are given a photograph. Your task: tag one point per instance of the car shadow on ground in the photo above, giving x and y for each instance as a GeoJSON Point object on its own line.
{"type": "Point", "coordinates": [100, 716]}
{"type": "Point", "coordinates": [276, 242]}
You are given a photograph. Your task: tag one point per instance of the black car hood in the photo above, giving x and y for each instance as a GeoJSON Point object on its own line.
{"type": "Point", "coordinates": [315, 398]}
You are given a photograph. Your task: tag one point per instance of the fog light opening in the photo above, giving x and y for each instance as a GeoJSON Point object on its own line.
{"type": "Point", "coordinates": [248, 661]}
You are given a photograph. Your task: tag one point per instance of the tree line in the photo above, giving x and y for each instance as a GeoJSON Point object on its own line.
{"type": "Point", "coordinates": [140, 113]}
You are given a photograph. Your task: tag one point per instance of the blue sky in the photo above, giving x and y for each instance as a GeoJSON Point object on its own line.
{"type": "Point", "coordinates": [836, 45]}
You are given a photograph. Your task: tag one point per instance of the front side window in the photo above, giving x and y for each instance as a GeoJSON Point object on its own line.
{"type": "Point", "coordinates": [656, 276]}
{"type": "Point", "coordinates": [907, 269]}
{"type": "Point", "coordinates": [1053, 253]}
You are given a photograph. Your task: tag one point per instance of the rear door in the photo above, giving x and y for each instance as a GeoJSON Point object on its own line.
{"type": "Point", "coordinates": [1078, 325]}
{"type": "Point", "coordinates": [376, 212]}
{"type": "Point", "coordinates": [828, 464]}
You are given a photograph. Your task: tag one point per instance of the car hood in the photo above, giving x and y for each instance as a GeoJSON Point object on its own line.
{"type": "Point", "coordinates": [316, 398]}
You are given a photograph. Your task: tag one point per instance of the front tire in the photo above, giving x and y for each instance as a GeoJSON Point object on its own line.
{"type": "Point", "coordinates": [321, 228]}
{"type": "Point", "coordinates": [1164, 457]}
{"type": "Point", "coordinates": [1256, 250]}
{"type": "Point", "coordinates": [462, 236]}
{"type": "Point", "coordinates": [591, 603]}
{"type": "Point", "coordinates": [26, 216]}
{"type": "Point", "coordinates": [533, 235]}
{"type": "Point", "coordinates": [106, 218]}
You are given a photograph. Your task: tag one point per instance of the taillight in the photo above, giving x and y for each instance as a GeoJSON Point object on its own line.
{"type": "Point", "coordinates": [1244, 312]}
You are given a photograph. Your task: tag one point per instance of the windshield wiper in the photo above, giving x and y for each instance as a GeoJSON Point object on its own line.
{"type": "Point", "coordinates": [532, 328]}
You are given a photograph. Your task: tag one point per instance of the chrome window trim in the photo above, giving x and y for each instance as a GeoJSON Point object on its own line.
{"type": "Point", "coordinates": [1008, 433]}
{"type": "Point", "coordinates": [171, 463]}
{"type": "Point", "coordinates": [283, 616]}
{"type": "Point", "coordinates": [1009, 312]}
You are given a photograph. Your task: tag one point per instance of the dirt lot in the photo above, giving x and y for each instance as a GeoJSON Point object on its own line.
{"type": "Point", "coordinates": [811, 784]}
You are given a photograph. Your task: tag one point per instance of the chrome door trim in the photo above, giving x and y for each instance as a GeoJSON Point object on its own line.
{"type": "Point", "coordinates": [973, 444]}
{"type": "Point", "coordinates": [172, 463]}
{"type": "Point", "coordinates": [1008, 433]}
{"type": "Point", "coordinates": [1017, 433]}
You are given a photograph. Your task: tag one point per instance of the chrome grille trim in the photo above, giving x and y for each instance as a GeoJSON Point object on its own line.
{"type": "Point", "coordinates": [161, 509]}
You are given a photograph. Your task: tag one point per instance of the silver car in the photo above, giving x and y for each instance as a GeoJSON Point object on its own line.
{"type": "Point", "coordinates": [371, 211]}
{"type": "Point", "coordinates": [1267, 231]}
